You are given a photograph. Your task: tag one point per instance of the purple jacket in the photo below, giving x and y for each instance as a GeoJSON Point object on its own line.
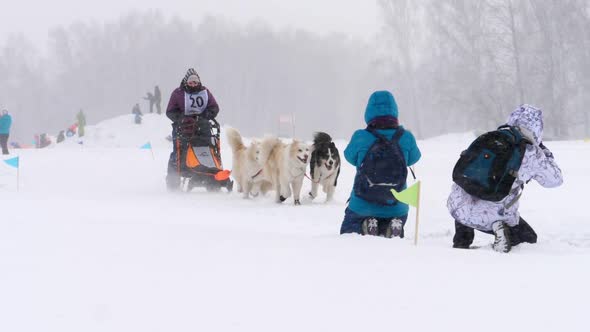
{"type": "Point", "coordinates": [200, 103]}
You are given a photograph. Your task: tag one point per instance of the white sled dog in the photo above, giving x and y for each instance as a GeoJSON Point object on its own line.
{"type": "Point", "coordinates": [286, 167]}
{"type": "Point", "coordinates": [324, 165]}
{"type": "Point", "coordinates": [248, 162]}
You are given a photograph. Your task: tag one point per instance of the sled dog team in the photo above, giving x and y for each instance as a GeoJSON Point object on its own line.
{"type": "Point", "coordinates": [270, 164]}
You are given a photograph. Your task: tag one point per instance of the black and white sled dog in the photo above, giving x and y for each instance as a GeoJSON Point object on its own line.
{"type": "Point", "coordinates": [324, 165]}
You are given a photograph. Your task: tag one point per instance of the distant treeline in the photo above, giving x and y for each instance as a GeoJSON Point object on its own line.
{"type": "Point", "coordinates": [453, 66]}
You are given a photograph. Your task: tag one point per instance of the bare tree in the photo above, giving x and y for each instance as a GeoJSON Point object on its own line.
{"type": "Point", "coordinates": [255, 73]}
{"type": "Point", "coordinates": [474, 61]}
{"type": "Point", "coordinates": [400, 18]}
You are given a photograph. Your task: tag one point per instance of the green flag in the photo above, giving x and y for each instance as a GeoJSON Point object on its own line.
{"type": "Point", "coordinates": [409, 196]}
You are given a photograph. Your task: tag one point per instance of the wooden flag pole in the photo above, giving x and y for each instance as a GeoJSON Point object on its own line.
{"type": "Point", "coordinates": [417, 216]}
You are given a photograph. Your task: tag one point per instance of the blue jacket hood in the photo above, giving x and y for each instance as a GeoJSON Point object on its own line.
{"type": "Point", "coordinates": [381, 103]}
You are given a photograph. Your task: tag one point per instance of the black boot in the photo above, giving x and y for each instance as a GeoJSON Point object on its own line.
{"type": "Point", "coordinates": [393, 228]}
{"type": "Point", "coordinates": [463, 236]}
{"type": "Point", "coordinates": [370, 226]}
{"type": "Point", "coordinates": [522, 232]}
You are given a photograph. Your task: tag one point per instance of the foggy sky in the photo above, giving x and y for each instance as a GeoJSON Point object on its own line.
{"type": "Point", "coordinates": [353, 17]}
{"type": "Point", "coordinates": [453, 65]}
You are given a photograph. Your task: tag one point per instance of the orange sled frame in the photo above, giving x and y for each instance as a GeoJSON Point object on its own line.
{"type": "Point", "coordinates": [199, 165]}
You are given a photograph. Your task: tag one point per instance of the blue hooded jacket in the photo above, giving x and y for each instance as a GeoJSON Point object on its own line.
{"type": "Point", "coordinates": [381, 104]}
{"type": "Point", "coordinates": [5, 123]}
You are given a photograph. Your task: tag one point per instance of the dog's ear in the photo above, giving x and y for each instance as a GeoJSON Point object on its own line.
{"type": "Point", "coordinates": [333, 146]}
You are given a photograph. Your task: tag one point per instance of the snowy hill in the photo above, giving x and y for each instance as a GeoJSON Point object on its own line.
{"type": "Point", "coordinates": [122, 132]}
{"type": "Point", "coordinates": [93, 242]}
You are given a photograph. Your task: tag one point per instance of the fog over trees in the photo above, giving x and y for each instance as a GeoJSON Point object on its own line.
{"type": "Point", "coordinates": [465, 64]}
{"type": "Point", "coordinates": [453, 66]}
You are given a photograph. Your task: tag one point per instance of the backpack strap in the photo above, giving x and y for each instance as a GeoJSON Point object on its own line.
{"type": "Point", "coordinates": [520, 138]}
{"type": "Point", "coordinates": [396, 136]}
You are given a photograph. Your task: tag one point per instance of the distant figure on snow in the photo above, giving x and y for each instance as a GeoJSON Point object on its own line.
{"type": "Point", "coordinates": [152, 100]}
{"type": "Point", "coordinates": [71, 131]}
{"type": "Point", "coordinates": [5, 124]}
{"type": "Point", "coordinates": [137, 112]}
{"type": "Point", "coordinates": [499, 215]}
{"type": "Point", "coordinates": [61, 136]}
{"type": "Point", "coordinates": [158, 99]}
{"type": "Point", "coordinates": [42, 141]}
{"type": "Point", "coordinates": [81, 123]}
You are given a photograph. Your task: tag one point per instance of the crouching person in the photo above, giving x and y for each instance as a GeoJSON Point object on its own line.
{"type": "Point", "coordinates": [381, 154]}
{"type": "Point", "coordinates": [495, 211]}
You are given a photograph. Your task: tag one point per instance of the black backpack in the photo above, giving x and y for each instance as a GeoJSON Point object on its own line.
{"type": "Point", "coordinates": [383, 168]}
{"type": "Point", "coordinates": [489, 166]}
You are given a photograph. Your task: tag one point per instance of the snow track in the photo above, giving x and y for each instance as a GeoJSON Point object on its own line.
{"type": "Point", "coordinates": [93, 242]}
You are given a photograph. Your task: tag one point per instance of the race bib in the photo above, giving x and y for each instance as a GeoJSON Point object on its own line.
{"type": "Point", "coordinates": [195, 103]}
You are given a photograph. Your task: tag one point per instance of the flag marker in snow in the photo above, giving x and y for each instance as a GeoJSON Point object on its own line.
{"type": "Point", "coordinates": [411, 196]}
{"type": "Point", "coordinates": [15, 162]}
{"type": "Point", "coordinates": [148, 146]}
{"type": "Point", "coordinates": [12, 162]}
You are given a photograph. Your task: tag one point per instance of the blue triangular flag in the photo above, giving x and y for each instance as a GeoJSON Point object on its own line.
{"type": "Point", "coordinates": [12, 162]}
{"type": "Point", "coordinates": [147, 146]}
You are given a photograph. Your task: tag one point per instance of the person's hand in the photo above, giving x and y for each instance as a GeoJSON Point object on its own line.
{"type": "Point", "coordinates": [546, 150]}
{"type": "Point", "coordinates": [187, 125]}
{"type": "Point", "coordinates": [208, 115]}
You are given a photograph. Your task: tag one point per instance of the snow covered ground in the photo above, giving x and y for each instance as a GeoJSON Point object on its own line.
{"type": "Point", "coordinates": [93, 242]}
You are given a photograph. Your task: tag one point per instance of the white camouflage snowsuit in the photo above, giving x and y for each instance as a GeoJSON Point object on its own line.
{"type": "Point", "coordinates": [537, 164]}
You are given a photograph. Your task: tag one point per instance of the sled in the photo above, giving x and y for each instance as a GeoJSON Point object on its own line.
{"type": "Point", "coordinates": [200, 162]}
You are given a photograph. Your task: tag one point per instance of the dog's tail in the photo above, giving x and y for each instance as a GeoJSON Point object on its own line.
{"type": "Point", "coordinates": [321, 138]}
{"type": "Point", "coordinates": [268, 144]}
{"type": "Point", "coordinates": [234, 139]}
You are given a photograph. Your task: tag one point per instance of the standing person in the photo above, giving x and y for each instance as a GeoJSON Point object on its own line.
{"type": "Point", "coordinates": [71, 131]}
{"type": "Point", "coordinates": [372, 210]}
{"type": "Point", "coordinates": [158, 99]}
{"type": "Point", "coordinates": [44, 141]}
{"type": "Point", "coordinates": [61, 136]}
{"type": "Point", "coordinates": [191, 105]}
{"type": "Point", "coordinates": [502, 218]}
{"type": "Point", "coordinates": [81, 123]}
{"type": "Point", "coordinates": [150, 97]}
{"type": "Point", "coordinates": [5, 124]}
